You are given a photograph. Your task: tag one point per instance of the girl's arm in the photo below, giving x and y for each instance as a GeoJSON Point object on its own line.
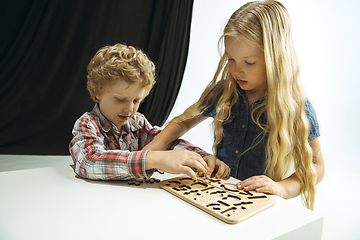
{"type": "Point", "coordinates": [172, 132]}
{"type": "Point", "coordinates": [318, 160]}
{"type": "Point", "coordinates": [175, 130]}
{"type": "Point", "coordinates": [289, 187]}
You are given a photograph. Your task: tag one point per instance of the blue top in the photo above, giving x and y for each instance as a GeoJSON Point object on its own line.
{"type": "Point", "coordinates": [243, 147]}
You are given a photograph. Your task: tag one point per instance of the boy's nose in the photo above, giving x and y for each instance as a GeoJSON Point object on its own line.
{"type": "Point", "coordinates": [128, 107]}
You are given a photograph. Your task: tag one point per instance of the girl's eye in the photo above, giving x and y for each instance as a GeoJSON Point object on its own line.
{"type": "Point", "coordinates": [249, 63]}
{"type": "Point", "coordinates": [120, 100]}
{"type": "Point", "coordinates": [230, 59]}
{"type": "Point", "coordinates": [137, 101]}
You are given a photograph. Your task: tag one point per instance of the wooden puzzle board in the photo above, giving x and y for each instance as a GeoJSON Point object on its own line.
{"type": "Point", "coordinates": [218, 197]}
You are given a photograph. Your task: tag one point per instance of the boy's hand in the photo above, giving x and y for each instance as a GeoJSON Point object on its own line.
{"type": "Point", "coordinates": [217, 168]}
{"type": "Point", "coordinates": [176, 162]}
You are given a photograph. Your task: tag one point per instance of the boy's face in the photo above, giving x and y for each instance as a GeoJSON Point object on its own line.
{"type": "Point", "coordinates": [120, 102]}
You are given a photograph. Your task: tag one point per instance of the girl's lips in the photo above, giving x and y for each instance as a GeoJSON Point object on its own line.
{"type": "Point", "coordinates": [241, 82]}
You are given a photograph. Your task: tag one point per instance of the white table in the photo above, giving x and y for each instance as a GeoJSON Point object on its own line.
{"type": "Point", "coordinates": [52, 203]}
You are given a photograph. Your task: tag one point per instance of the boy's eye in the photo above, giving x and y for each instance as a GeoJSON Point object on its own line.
{"type": "Point", "coordinates": [120, 99]}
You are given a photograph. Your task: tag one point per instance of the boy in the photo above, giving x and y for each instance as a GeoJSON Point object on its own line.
{"type": "Point", "coordinates": [108, 141]}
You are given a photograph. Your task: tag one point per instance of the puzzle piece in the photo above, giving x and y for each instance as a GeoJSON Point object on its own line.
{"type": "Point", "coordinates": [152, 180]}
{"type": "Point", "coordinates": [218, 197]}
{"type": "Point", "coordinates": [159, 171]}
{"type": "Point", "coordinates": [135, 181]}
{"type": "Point", "coordinates": [138, 181]}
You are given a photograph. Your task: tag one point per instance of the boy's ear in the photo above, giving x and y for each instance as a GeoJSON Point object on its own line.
{"type": "Point", "coordinates": [98, 97]}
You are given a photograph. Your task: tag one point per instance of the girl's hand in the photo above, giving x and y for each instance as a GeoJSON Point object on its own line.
{"type": "Point", "coordinates": [176, 162]}
{"type": "Point", "coordinates": [217, 168]}
{"type": "Point", "coordinates": [262, 184]}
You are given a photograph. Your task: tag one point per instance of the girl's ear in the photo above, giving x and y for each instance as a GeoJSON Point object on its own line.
{"type": "Point", "coordinates": [98, 97]}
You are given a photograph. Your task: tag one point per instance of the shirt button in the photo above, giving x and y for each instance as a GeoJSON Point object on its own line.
{"type": "Point", "coordinates": [243, 125]}
{"type": "Point", "coordinates": [236, 152]}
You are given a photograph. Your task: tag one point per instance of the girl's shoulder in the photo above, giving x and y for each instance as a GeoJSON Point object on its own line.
{"type": "Point", "coordinates": [310, 110]}
{"type": "Point", "coordinates": [313, 121]}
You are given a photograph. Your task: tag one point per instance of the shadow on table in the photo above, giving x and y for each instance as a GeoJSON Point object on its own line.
{"type": "Point", "coordinates": [133, 183]}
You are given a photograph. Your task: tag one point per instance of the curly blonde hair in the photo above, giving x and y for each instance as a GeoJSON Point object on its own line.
{"type": "Point", "coordinates": [112, 63]}
{"type": "Point", "coordinates": [267, 23]}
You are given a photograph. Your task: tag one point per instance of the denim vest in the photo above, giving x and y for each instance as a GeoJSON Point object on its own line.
{"type": "Point", "coordinates": [243, 145]}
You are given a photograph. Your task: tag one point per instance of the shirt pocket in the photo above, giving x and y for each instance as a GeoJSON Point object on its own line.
{"type": "Point", "coordinates": [259, 150]}
{"type": "Point", "coordinates": [259, 155]}
{"type": "Point", "coordinates": [228, 131]}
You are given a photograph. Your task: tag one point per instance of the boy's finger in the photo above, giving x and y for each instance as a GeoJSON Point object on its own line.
{"type": "Point", "coordinates": [199, 166]}
{"type": "Point", "coordinates": [188, 171]}
{"type": "Point", "coordinates": [202, 161]}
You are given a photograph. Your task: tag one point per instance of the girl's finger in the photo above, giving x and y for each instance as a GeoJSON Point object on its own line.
{"type": "Point", "coordinates": [221, 172]}
{"type": "Point", "coordinates": [211, 167]}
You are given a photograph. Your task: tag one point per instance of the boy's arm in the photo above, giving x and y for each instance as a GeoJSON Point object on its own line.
{"type": "Point", "coordinates": [176, 162]}
{"type": "Point", "coordinates": [93, 161]}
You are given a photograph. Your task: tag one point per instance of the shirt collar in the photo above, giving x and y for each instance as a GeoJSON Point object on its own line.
{"type": "Point", "coordinates": [132, 125]}
{"type": "Point", "coordinates": [241, 92]}
{"type": "Point", "coordinates": [101, 120]}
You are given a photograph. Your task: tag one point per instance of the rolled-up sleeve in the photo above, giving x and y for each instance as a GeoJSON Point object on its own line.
{"type": "Point", "coordinates": [314, 129]}
{"type": "Point", "coordinates": [183, 144]}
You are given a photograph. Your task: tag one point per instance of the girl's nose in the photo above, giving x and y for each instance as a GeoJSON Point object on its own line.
{"type": "Point", "coordinates": [238, 70]}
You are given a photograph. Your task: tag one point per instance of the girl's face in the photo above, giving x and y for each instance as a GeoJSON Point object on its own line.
{"type": "Point", "coordinates": [247, 66]}
{"type": "Point", "coordinates": [120, 102]}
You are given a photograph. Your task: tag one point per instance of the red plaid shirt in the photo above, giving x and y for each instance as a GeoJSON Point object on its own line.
{"type": "Point", "coordinates": [100, 151]}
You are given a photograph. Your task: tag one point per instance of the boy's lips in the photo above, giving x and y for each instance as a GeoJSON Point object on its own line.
{"type": "Point", "coordinates": [123, 117]}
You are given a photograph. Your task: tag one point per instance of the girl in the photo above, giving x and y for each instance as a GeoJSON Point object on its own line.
{"type": "Point", "coordinates": [266, 130]}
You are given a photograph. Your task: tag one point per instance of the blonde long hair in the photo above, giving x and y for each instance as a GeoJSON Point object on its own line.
{"type": "Point", "coordinates": [267, 23]}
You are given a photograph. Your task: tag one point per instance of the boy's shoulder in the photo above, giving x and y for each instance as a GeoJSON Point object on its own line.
{"type": "Point", "coordinates": [88, 118]}
{"type": "Point", "coordinates": [139, 115]}
{"type": "Point", "coordinates": [92, 120]}
{"type": "Point", "coordinates": [137, 121]}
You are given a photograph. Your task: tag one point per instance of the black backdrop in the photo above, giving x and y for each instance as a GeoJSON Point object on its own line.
{"type": "Point", "coordinates": [46, 45]}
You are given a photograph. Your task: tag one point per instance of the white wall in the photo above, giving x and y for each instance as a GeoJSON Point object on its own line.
{"type": "Point", "coordinates": [327, 37]}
